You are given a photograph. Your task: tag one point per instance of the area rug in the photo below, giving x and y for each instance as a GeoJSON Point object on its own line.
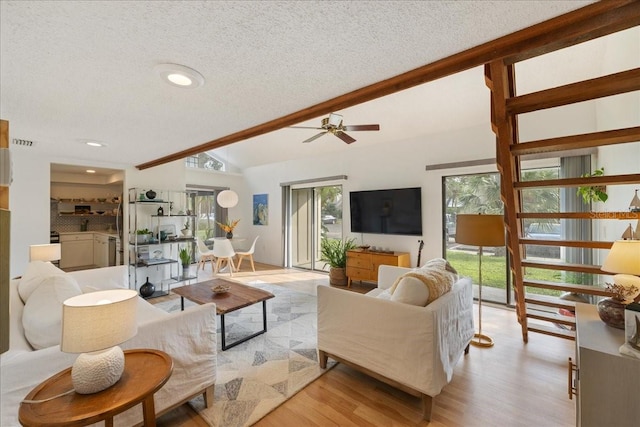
{"type": "Point", "coordinates": [257, 376]}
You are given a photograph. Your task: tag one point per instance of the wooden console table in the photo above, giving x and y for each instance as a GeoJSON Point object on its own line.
{"type": "Point", "coordinates": [145, 372]}
{"type": "Point", "coordinates": [606, 385]}
{"type": "Point", "coordinates": [363, 265]}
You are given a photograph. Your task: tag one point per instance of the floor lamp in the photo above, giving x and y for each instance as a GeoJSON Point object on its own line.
{"type": "Point", "coordinates": [480, 230]}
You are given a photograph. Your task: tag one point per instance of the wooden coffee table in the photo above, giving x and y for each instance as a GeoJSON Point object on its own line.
{"type": "Point", "coordinates": [239, 296]}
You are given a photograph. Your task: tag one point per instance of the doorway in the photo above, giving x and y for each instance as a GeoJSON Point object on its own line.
{"type": "Point", "coordinates": [315, 213]}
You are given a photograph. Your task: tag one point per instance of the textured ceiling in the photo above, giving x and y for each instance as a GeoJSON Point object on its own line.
{"type": "Point", "coordinates": [84, 70]}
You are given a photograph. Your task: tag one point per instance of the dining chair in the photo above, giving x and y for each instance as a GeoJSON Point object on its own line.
{"type": "Point", "coordinates": [206, 254]}
{"type": "Point", "coordinates": [241, 254]}
{"type": "Point", "coordinates": [223, 251]}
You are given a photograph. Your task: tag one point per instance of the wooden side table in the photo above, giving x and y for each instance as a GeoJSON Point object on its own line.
{"type": "Point", "coordinates": [145, 372]}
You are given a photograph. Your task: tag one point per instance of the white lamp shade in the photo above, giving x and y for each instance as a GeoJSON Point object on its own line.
{"type": "Point", "coordinates": [227, 198]}
{"type": "Point", "coordinates": [623, 258]}
{"type": "Point", "coordinates": [47, 252]}
{"type": "Point", "coordinates": [480, 230]}
{"type": "Point", "coordinates": [98, 320]}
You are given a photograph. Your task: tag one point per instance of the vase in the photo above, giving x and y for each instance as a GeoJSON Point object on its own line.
{"type": "Point", "coordinates": [611, 311]}
{"type": "Point", "coordinates": [185, 271]}
{"type": "Point", "coordinates": [229, 235]}
{"type": "Point", "coordinates": [150, 194]}
{"type": "Point", "coordinates": [147, 289]}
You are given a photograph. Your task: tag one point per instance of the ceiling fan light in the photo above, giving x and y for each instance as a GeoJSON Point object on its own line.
{"type": "Point", "coordinates": [227, 198]}
{"type": "Point", "coordinates": [335, 119]}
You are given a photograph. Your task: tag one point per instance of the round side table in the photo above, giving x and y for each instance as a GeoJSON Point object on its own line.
{"type": "Point", "coordinates": [145, 372]}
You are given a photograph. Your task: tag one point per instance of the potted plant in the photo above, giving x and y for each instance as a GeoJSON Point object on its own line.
{"type": "Point", "coordinates": [185, 260]}
{"type": "Point", "coordinates": [186, 231]}
{"type": "Point", "coordinates": [334, 253]}
{"type": "Point", "coordinates": [596, 193]}
{"type": "Point", "coordinates": [228, 227]}
{"type": "Point", "coordinates": [142, 236]}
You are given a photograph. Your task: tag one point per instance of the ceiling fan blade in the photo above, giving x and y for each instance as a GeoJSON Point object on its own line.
{"type": "Point", "coordinates": [361, 127]}
{"type": "Point", "coordinates": [313, 138]}
{"type": "Point", "coordinates": [305, 127]}
{"type": "Point", "coordinates": [346, 138]}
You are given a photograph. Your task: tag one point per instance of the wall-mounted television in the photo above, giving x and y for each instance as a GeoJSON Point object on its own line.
{"type": "Point", "coordinates": [395, 211]}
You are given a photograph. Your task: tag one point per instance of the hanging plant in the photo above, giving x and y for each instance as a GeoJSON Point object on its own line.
{"type": "Point", "coordinates": [594, 193]}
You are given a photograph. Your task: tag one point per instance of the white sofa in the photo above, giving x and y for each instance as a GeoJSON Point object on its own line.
{"type": "Point", "coordinates": [410, 347]}
{"type": "Point", "coordinates": [189, 337]}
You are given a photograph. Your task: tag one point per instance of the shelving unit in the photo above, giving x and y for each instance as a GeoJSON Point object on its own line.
{"type": "Point", "coordinates": [156, 255]}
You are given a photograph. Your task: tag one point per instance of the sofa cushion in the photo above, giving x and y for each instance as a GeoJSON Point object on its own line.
{"type": "Point", "coordinates": [411, 290]}
{"type": "Point", "coordinates": [437, 276]}
{"type": "Point", "coordinates": [37, 272]}
{"type": "Point", "coordinates": [42, 315]}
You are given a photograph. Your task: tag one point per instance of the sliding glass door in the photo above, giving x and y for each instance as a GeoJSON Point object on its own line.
{"type": "Point", "coordinates": [315, 213]}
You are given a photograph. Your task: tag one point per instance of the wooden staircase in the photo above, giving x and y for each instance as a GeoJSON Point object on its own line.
{"type": "Point", "coordinates": [506, 106]}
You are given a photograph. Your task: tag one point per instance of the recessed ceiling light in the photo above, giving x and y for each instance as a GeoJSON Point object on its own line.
{"type": "Point", "coordinates": [95, 144]}
{"type": "Point", "coordinates": [90, 171]}
{"type": "Point", "coordinates": [179, 75]}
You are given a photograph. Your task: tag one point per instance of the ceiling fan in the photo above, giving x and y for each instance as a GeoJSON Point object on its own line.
{"type": "Point", "coordinates": [333, 124]}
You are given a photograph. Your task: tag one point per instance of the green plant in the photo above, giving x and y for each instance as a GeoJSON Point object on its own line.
{"type": "Point", "coordinates": [186, 225]}
{"type": "Point", "coordinates": [334, 252]}
{"type": "Point", "coordinates": [593, 193]}
{"type": "Point", "coordinates": [143, 231]}
{"type": "Point", "coordinates": [185, 256]}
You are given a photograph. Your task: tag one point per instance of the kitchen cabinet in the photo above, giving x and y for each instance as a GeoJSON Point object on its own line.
{"type": "Point", "coordinates": [101, 250]}
{"type": "Point", "coordinates": [606, 382]}
{"type": "Point", "coordinates": [76, 250]}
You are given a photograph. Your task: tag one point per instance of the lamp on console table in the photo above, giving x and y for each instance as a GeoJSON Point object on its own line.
{"type": "Point", "coordinates": [480, 230]}
{"type": "Point", "coordinates": [623, 259]}
{"type": "Point", "coordinates": [94, 324]}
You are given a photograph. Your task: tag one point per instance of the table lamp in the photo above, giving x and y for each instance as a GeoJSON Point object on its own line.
{"type": "Point", "coordinates": [624, 260]}
{"type": "Point", "coordinates": [47, 252]}
{"type": "Point", "coordinates": [94, 324]}
{"type": "Point", "coordinates": [480, 230]}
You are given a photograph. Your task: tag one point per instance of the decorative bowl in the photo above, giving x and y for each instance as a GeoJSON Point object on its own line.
{"type": "Point", "coordinates": [100, 212]}
{"type": "Point", "coordinates": [102, 200]}
{"type": "Point", "coordinates": [220, 289]}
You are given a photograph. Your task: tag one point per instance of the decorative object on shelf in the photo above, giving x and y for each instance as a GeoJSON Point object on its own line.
{"type": "Point", "coordinates": [185, 260]}
{"type": "Point", "coordinates": [150, 194]}
{"type": "Point", "coordinates": [228, 227]}
{"type": "Point", "coordinates": [160, 211]}
{"type": "Point", "coordinates": [227, 198]}
{"type": "Point", "coordinates": [84, 224]}
{"type": "Point", "coordinates": [629, 233]}
{"type": "Point", "coordinates": [631, 347]}
{"type": "Point", "coordinates": [334, 253]}
{"type": "Point", "coordinates": [147, 289]}
{"type": "Point", "coordinates": [634, 206]}
{"type": "Point", "coordinates": [260, 209]}
{"type": "Point", "coordinates": [94, 324]}
{"type": "Point", "coordinates": [623, 259]}
{"type": "Point", "coordinates": [186, 231]}
{"type": "Point", "coordinates": [480, 230]}
{"type": "Point", "coordinates": [142, 236]}
{"type": "Point", "coordinates": [596, 193]}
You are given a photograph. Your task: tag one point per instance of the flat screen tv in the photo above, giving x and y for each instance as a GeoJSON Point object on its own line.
{"type": "Point", "coordinates": [396, 211]}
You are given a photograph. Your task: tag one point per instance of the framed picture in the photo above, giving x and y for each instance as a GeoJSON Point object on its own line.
{"type": "Point", "coordinates": [260, 209]}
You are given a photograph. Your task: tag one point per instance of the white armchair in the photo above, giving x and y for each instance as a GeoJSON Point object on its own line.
{"type": "Point", "coordinates": [412, 348]}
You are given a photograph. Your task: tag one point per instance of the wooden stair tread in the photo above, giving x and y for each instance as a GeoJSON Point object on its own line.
{"type": "Point", "coordinates": [549, 301]}
{"type": "Point", "coordinates": [550, 330]}
{"type": "Point", "coordinates": [568, 243]}
{"type": "Point", "coordinates": [587, 140]}
{"type": "Point", "coordinates": [591, 181]}
{"type": "Point", "coordinates": [568, 287]}
{"type": "Point", "coordinates": [563, 266]}
{"type": "Point", "coordinates": [578, 215]}
{"type": "Point", "coordinates": [551, 317]}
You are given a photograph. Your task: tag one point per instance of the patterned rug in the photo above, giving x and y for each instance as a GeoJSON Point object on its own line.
{"type": "Point", "coordinates": [257, 376]}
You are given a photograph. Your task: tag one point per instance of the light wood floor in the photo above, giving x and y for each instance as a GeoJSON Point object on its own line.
{"type": "Point", "coordinates": [512, 384]}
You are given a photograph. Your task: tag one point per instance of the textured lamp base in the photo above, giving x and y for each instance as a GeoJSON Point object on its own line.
{"type": "Point", "coordinates": [482, 340]}
{"type": "Point", "coordinates": [97, 371]}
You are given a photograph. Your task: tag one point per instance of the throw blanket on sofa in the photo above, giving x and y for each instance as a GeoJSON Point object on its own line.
{"type": "Point", "coordinates": [437, 275]}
